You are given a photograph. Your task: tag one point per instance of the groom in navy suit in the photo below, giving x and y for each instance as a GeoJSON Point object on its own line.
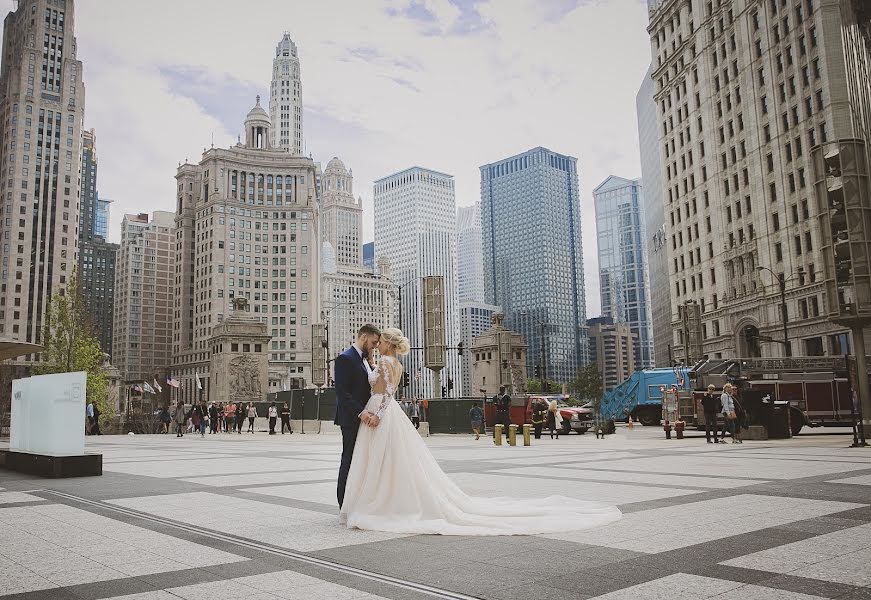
{"type": "Point", "coordinates": [352, 393]}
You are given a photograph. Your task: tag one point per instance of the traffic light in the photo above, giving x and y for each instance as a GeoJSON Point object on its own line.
{"type": "Point", "coordinates": [450, 384]}
{"type": "Point", "coordinates": [460, 348]}
{"type": "Point", "coordinates": [444, 392]}
{"type": "Point", "coordinates": [537, 372]}
{"type": "Point", "coordinates": [406, 380]}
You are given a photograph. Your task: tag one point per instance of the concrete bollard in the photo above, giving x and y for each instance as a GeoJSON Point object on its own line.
{"type": "Point", "coordinates": [512, 435]}
{"type": "Point", "coordinates": [497, 435]}
{"type": "Point", "coordinates": [526, 440]}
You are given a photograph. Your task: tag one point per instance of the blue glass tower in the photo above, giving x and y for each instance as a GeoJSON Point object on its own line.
{"type": "Point", "coordinates": [622, 268]}
{"type": "Point", "coordinates": [533, 257]}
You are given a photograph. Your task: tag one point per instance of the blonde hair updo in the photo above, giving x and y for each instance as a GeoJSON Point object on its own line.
{"type": "Point", "coordinates": [394, 337]}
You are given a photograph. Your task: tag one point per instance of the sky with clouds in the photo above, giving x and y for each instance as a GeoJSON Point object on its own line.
{"type": "Point", "coordinates": [445, 84]}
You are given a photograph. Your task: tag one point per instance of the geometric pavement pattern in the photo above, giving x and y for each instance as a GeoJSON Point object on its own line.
{"type": "Point", "coordinates": [253, 516]}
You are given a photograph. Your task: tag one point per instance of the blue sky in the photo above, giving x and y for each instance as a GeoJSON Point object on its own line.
{"type": "Point", "coordinates": [446, 84]}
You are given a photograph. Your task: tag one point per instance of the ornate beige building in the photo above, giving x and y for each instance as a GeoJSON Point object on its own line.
{"type": "Point", "coordinates": [744, 89]}
{"type": "Point", "coordinates": [498, 359]}
{"type": "Point", "coordinates": [42, 105]}
{"type": "Point", "coordinates": [239, 367]}
{"type": "Point", "coordinates": [247, 227]}
{"type": "Point", "coordinates": [350, 295]}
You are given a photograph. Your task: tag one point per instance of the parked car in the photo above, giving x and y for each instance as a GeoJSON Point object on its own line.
{"type": "Point", "coordinates": [575, 418]}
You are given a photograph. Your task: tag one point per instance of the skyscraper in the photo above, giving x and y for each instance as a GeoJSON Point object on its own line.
{"type": "Point", "coordinates": [248, 227]}
{"type": "Point", "coordinates": [743, 92]}
{"type": "Point", "coordinates": [656, 250]}
{"type": "Point", "coordinates": [144, 292]}
{"type": "Point", "coordinates": [96, 255]}
{"type": "Point", "coordinates": [285, 98]}
{"type": "Point", "coordinates": [622, 270]}
{"type": "Point", "coordinates": [41, 131]}
{"type": "Point", "coordinates": [415, 228]}
{"type": "Point", "coordinates": [470, 259]}
{"type": "Point", "coordinates": [533, 268]}
{"type": "Point", "coordinates": [369, 257]}
{"type": "Point", "coordinates": [341, 214]}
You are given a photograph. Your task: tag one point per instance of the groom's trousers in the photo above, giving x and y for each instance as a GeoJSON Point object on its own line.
{"type": "Point", "coordinates": [349, 438]}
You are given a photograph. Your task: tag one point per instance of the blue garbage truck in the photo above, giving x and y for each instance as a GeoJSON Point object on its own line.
{"type": "Point", "coordinates": [640, 396]}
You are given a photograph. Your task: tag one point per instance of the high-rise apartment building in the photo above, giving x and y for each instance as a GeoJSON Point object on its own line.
{"type": "Point", "coordinates": [743, 91]}
{"type": "Point", "coordinates": [144, 292]}
{"type": "Point", "coordinates": [42, 99]}
{"type": "Point", "coordinates": [247, 226]}
{"type": "Point", "coordinates": [470, 258]}
{"type": "Point", "coordinates": [285, 98]}
{"type": "Point", "coordinates": [656, 250]}
{"type": "Point", "coordinates": [341, 215]}
{"type": "Point", "coordinates": [475, 319]}
{"type": "Point", "coordinates": [415, 228]}
{"type": "Point", "coordinates": [611, 348]}
{"type": "Point", "coordinates": [533, 266]}
{"type": "Point", "coordinates": [623, 280]}
{"type": "Point", "coordinates": [96, 274]}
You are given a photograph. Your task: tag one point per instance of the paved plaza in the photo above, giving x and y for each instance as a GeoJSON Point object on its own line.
{"type": "Point", "coordinates": [253, 517]}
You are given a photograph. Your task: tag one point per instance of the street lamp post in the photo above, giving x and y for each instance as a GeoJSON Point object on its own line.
{"type": "Point", "coordinates": [781, 282]}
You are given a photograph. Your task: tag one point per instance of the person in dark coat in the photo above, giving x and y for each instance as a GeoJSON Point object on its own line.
{"type": "Point", "coordinates": [351, 376]}
{"type": "Point", "coordinates": [539, 411]}
{"type": "Point", "coordinates": [503, 409]}
{"type": "Point", "coordinates": [285, 419]}
{"type": "Point", "coordinates": [213, 419]}
{"type": "Point", "coordinates": [710, 407]}
{"type": "Point", "coordinates": [240, 417]}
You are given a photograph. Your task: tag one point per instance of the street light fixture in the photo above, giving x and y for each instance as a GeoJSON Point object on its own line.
{"type": "Point", "coordinates": [781, 282]}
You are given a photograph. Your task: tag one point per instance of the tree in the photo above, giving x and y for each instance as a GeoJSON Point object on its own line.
{"type": "Point", "coordinates": [587, 384]}
{"type": "Point", "coordinates": [534, 386]}
{"type": "Point", "coordinates": [71, 346]}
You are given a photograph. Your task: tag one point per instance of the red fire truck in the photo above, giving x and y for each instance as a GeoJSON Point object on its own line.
{"type": "Point", "coordinates": [816, 387]}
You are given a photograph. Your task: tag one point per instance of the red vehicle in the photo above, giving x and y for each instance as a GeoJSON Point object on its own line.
{"type": "Point", "coordinates": [575, 418]}
{"type": "Point", "coordinates": [817, 393]}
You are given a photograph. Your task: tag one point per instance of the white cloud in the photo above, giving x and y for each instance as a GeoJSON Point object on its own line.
{"type": "Point", "coordinates": [382, 88]}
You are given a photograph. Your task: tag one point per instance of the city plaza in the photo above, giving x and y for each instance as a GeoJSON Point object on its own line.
{"type": "Point", "coordinates": [254, 516]}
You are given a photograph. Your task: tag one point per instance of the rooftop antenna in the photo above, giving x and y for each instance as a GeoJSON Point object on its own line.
{"type": "Point", "coordinates": [213, 138]}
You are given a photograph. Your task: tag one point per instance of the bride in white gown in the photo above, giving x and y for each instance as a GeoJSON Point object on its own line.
{"type": "Point", "coordinates": [395, 484]}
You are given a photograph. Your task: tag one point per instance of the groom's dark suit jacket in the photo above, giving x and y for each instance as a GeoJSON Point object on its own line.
{"type": "Point", "coordinates": [352, 388]}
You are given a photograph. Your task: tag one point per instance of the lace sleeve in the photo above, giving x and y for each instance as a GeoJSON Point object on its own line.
{"type": "Point", "coordinates": [386, 372]}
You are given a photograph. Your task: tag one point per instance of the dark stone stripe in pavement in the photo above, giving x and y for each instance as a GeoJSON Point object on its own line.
{"type": "Point", "coordinates": [279, 500]}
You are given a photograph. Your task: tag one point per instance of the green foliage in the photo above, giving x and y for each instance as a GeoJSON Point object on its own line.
{"type": "Point", "coordinates": [534, 386]}
{"type": "Point", "coordinates": [71, 346]}
{"type": "Point", "coordinates": [587, 385]}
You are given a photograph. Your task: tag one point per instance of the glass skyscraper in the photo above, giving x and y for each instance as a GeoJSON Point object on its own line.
{"type": "Point", "coordinates": [533, 267]}
{"type": "Point", "coordinates": [622, 270]}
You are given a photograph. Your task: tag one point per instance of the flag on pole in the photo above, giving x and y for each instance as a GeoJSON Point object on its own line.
{"type": "Point", "coordinates": [136, 388]}
{"type": "Point", "coordinates": [199, 383]}
{"type": "Point", "coordinates": [157, 386]}
{"type": "Point", "coordinates": [147, 387]}
{"type": "Point", "coordinates": [173, 382]}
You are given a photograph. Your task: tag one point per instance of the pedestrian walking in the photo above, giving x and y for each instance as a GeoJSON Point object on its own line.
{"type": "Point", "coordinates": [240, 417]}
{"type": "Point", "coordinates": [213, 418]}
{"type": "Point", "coordinates": [710, 408]}
{"type": "Point", "coordinates": [539, 414]}
{"type": "Point", "coordinates": [180, 419]}
{"type": "Point", "coordinates": [89, 412]}
{"type": "Point", "coordinates": [199, 419]}
{"type": "Point", "coordinates": [95, 430]}
{"type": "Point", "coordinates": [415, 412]}
{"type": "Point", "coordinates": [554, 419]}
{"type": "Point", "coordinates": [503, 409]}
{"type": "Point", "coordinates": [727, 408]}
{"type": "Point", "coordinates": [229, 417]}
{"type": "Point", "coordinates": [285, 419]}
{"type": "Point", "coordinates": [252, 414]}
{"type": "Point", "coordinates": [273, 418]}
{"type": "Point", "coordinates": [165, 419]}
{"type": "Point", "coordinates": [476, 416]}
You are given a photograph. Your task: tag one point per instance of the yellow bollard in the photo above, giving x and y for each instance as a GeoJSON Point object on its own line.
{"type": "Point", "coordinates": [526, 440]}
{"type": "Point", "coordinates": [497, 435]}
{"type": "Point", "coordinates": [512, 435]}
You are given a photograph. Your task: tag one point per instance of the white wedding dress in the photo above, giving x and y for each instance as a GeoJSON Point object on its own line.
{"type": "Point", "coordinates": [396, 485]}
